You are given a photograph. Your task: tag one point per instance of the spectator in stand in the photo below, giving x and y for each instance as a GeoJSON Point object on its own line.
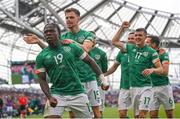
{"type": "Point", "coordinates": [23, 100]}
{"type": "Point", "coordinates": [9, 106]}
{"type": "Point", "coordinates": [1, 107]}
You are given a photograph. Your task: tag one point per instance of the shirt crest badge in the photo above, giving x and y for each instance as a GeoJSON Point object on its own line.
{"type": "Point", "coordinates": [67, 49]}
{"type": "Point", "coordinates": [97, 56]}
{"type": "Point", "coordinates": [145, 54]}
{"type": "Point", "coordinates": [81, 39]}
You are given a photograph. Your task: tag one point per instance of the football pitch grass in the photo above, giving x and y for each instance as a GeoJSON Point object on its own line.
{"type": "Point", "coordinates": [112, 112]}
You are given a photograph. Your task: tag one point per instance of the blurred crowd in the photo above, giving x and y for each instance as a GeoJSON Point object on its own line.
{"type": "Point", "coordinates": [11, 101]}
{"type": "Point", "coordinates": [20, 104]}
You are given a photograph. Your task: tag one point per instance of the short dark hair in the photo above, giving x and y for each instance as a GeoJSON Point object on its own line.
{"type": "Point", "coordinates": [141, 29]}
{"type": "Point", "coordinates": [131, 33]}
{"type": "Point", "coordinates": [154, 39]}
{"type": "Point", "coordinates": [77, 12]}
{"type": "Point", "coordinates": [55, 25]}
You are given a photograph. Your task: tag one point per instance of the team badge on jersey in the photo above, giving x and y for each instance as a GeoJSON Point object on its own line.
{"type": "Point", "coordinates": [97, 57]}
{"type": "Point", "coordinates": [145, 54]}
{"type": "Point", "coordinates": [67, 48]}
{"type": "Point", "coordinates": [134, 50]}
{"type": "Point", "coordinates": [48, 56]}
{"type": "Point", "coordinates": [81, 39]}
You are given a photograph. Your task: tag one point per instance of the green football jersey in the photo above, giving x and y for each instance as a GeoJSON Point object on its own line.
{"type": "Point", "coordinates": [79, 36]}
{"type": "Point", "coordinates": [139, 60]}
{"type": "Point", "coordinates": [85, 72]}
{"type": "Point", "coordinates": [122, 58]}
{"type": "Point", "coordinates": [100, 58]}
{"type": "Point", "coordinates": [158, 80]}
{"type": "Point", "coordinates": [60, 65]}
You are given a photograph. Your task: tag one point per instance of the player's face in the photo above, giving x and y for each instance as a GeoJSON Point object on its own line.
{"type": "Point", "coordinates": [72, 20]}
{"type": "Point", "coordinates": [51, 34]}
{"type": "Point", "coordinates": [148, 42]}
{"type": "Point", "coordinates": [131, 39]}
{"type": "Point", "coordinates": [140, 37]}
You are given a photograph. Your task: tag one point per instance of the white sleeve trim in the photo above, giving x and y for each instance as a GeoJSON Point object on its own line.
{"type": "Point", "coordinates": [83, 55]}
{"type": "Point", "coordinates": [125, 46]}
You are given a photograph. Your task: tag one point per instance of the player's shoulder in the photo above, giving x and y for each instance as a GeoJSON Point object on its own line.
{"type": "Point", "coordinates": [100, 50]}
{"type": "Point", "coordinates": [130, 45]}
{"type": "Point", "coordinates": [65, 33]}
{"type": "Point", "coordinates": [45, 50]}
{"type": "Point", "coordinates": [150, 49]}
{"type": "Point", "coordinates": [43, 53]}
{"type": "Point", "coordinates": [162, 51]}
{"type": "Point", "coordinates": [84, 31]}
{"type": "Point", "coordinates": [119, 54]}
{"type": "Point", "coordinates": [71, 45]}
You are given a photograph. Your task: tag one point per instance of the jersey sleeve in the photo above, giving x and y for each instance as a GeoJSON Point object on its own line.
{"type": "Point", "coordinates": [89, 37]}
{"type": "Point", "coordinates": [155, 56]}
{"type": "Point", "coordinates": [165, 58]}
{"type": "Point", "coordinates": [128, 47]}
{"type": "Point", "coordinates": [118, 58]}
{"type": "Point", "coordinates": [78, 51]}
{"type": "Point", "coordinates": [62, 37]}
{"type": "Point", "coordinates": [39, 64]}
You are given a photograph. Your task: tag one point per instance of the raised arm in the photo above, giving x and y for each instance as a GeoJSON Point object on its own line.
{"type": "Point", "coordinates": [33, 39]}
{"type": "Point", "coordinates": [115, 41]}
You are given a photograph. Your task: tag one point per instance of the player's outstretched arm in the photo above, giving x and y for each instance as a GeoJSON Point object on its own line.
{"type": "Point", "coordinates": [112, 69]}
{"type": "Point", "coordinates": [33, 39]}
{"type": "Point", "coordinates": [115, 41]}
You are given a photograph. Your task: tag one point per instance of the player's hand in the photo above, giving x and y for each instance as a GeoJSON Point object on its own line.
{"type": "Point", "coordinates": [125, 25]}
{"type": "Point", "coordinates": [104, 87]}
{"type": "Point", "coordinates": [104, 82]}
{"type": "Point", "coordinates": [53, 101]}
{"type": "Point", "coordinates": [67, 41]}
{"type": "Point", "coordinates": [31, 39]}
{"type": "Point", "coordinates": [147, 72]}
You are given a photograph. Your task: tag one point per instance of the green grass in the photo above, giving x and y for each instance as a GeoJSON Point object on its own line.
{"type": "Point", "coordinates": [16, 78]}
{"type": "Point", "coordinates": [112, 112]}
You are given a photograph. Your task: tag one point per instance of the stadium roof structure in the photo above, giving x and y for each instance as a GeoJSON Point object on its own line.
{"type": "Point", "coordinates": [18, 17]}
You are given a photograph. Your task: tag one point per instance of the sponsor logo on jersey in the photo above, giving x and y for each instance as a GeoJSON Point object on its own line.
{"type": "Point", "coordinates": [155, 54]}
{"type": "Point", "coordinates": [67, 48]}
